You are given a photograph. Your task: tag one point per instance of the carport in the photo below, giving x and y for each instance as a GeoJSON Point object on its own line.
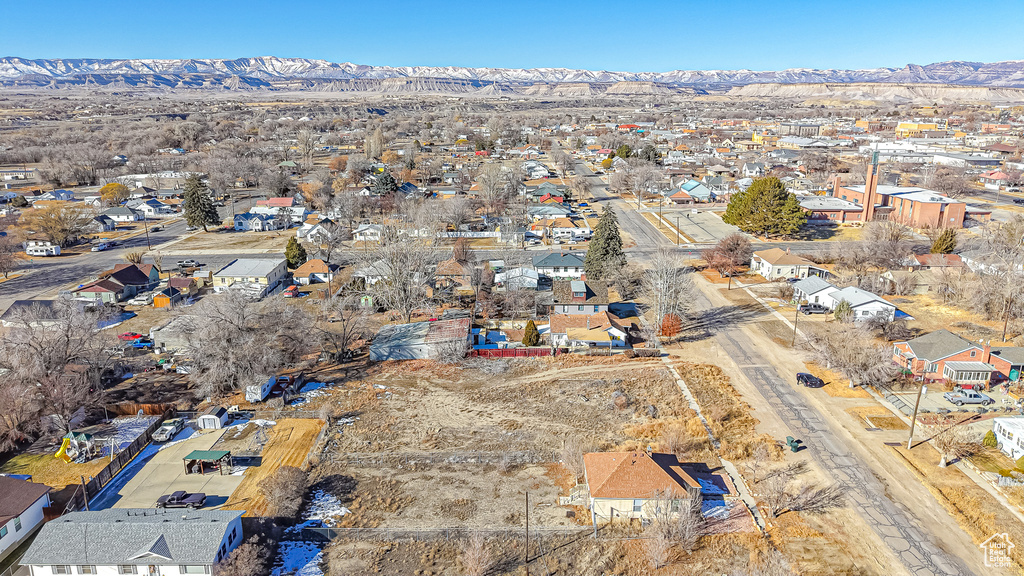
{"type": "Point", "coordinates": [203, 461]}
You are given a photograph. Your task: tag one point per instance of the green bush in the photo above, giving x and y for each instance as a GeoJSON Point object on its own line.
{"type": "Point", "coordinates": [990, 439]}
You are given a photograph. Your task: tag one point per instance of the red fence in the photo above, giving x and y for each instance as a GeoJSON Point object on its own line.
{"type": "Point", "coordinates": [514, 352]}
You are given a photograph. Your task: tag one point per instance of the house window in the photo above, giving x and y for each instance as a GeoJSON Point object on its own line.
{"type": "Point", "coordinates": [580, 308]}
{"type": "Point", "coordinates": [3, 531]}
{"type": "Point", "coordinates": [127, 569]}
{"type": "Point", "coordinates": [61, 569]}
{"type": "Point", "coordinates": [194, 569]}
{"type": "Point", "coordinates": [86, 569]}
{"type": "Point", "coordinates": [974, 353]}
{"type": "Point", "coordinates": [638, 505]}
{"type": "Point", "coordinates": [595, 308]}
{"type": "Point", "coordinates": [17, 524]}
{"type": "Point", "coordinates": [231, 537]}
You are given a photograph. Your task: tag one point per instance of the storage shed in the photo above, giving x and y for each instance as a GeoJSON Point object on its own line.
{"type": "Point", "coordinates": [213, 418]}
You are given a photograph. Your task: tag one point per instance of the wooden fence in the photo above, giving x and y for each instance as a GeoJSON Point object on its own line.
{"type": "Point", "coordinates": [119, 461]}
{"type": "Point", "coordinates": [514, 352]}
{"type": "Point", "coordinates": [454, 533]}
{"type": "Point", "coordinates": [133, 409]}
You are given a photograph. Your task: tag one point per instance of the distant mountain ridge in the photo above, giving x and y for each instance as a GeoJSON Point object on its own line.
{"type": "Point", "coordinates": [303, 73]}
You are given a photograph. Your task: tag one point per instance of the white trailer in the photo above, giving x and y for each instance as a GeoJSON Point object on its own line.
{"type": "Point", "coordinates": [258, 392]}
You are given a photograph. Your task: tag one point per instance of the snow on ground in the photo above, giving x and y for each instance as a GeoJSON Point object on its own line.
{"type": "Point", "coordinates": [108, 496]}
{"type": "Point", "coordinates": [325, 507]}
{"type": "Point", "coordinates": [298, 558]}
{"type": "Point", "coordinates": [131, 427]}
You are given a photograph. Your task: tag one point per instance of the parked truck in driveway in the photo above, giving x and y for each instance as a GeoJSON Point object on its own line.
{"type": "Point", "coordinates": [967, 397]}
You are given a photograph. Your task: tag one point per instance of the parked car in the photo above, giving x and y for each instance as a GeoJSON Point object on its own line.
{"type": "Point", "coordinates": [291, 292]}
{"type": "Point", "coordinates": [1018, 200]}
{"type": "Point", "coordinates": [142, 343]}
{"type": "Point", "coordinates": [813, 309]}
{"type": "Point", "coordinates": [129, 336]}
{"type": "Point", "coordinates": [190, 263]}
{"type": "Point", "coordinates": [809, 380]}
{"type": "Point", "coordinates": [181, 499]}
{"type": "Point", "coordinates": [967, 397]}
{"type": "Point", "coordinates": [168, 430]}
{"type": "Point", "coordinates": [100, 247]}
{"type": "Point", "coordinates": [156, 228]}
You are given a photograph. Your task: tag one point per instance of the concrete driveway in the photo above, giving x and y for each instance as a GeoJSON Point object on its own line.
{"type": "Point", "coordinates": [165, 473]}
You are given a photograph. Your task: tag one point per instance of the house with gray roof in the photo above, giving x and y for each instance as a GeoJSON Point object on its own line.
{"type": "Point", "coordinates": [865, 305]}
{"type": "Point", "coordinates": [812, 290]}
{"type": "Point", "coordinates": [261, 275]}
{"type": "Point", "coordinates": [122, 541]}
{"type": "Point", "coordinates": [559, 266]}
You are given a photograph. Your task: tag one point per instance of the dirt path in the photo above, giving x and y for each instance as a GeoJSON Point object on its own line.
{"type": "Point", "coordinates": [843, 458]}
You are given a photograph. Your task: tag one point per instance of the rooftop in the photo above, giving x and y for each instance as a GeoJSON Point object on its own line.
{"type": "Point", "coordinates": [250, 267]}
{"type": "Point", "coordinates": [634, 474]}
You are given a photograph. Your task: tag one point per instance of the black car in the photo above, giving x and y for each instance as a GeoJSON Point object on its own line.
{"type": "Point", "coordinates": [809, 380]}
{"type": "Point", "coordinates": [813, 309]}
{"type": "Point", "coordinates": [182, 499]}
{"type": "Point", "coordinates": [1018, 200]}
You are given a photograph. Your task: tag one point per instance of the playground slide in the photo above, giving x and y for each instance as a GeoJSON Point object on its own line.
{"type": "Point", "coordinates": [62, 452]}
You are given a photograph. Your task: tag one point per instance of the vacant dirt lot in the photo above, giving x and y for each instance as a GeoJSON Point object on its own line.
{"type": "Point", "coordinates": [231, 240]}
{"type": "Point", "coordinates": [290, 441]}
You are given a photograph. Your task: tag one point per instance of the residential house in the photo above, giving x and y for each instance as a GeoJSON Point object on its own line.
{"type": "Point", "coordinates": [864, 304]}
{"type": "Point", "coordinates": [296, 214]}
{"type": "Point", "coordinates": [559, 266]}
{"type": "Point", "coordinates": [21, 511]}
{"type": "Point", "coordinates": [993, 179]}
{"type": "Point", "coordinates": [154, 208]}
{"type": "Point", "coordinates": [517, 279]}
{"type": "Point", "coordinates": [569, 228]}
{"type": "Point", "coordinates": [250, 222]}
{"type": "Point", "coordinates": [101, 223]}
{"type": "Point", "coordinates": [123, 215]}
{"type": "Point", "coordinates": [603, 329]}
{"type": "Point", "coordinates": [41, 248]}
{"type": "Point", "coordinates": [1009, 435]}
{"type": "Point", "coordinates": [926, 357]}
{"type": "Point", "coordinates": [368, 233]}
{"type": "Point", "coordinates": [420, 340]}
{"type": "Point", "coordinates": [776, 263]}
{"type": "Point", "coordinates": [812, 290]}
{"type": "Point", "coordinates": [122, 541]}
{"type": "Point", "coordinates": [452, 273]}
{"type": "Point", "coordinates": [260, 275]}
{"type": "Point", "coordinates": [121, 283]}
{"type": "Point", "coordinates": [578, 297]}
{"type": "Point", "coordinates": [634, 485]}
{"type": "Point", "coordinates": [753, 170]}
{"type": "Point", "coordinates": [314, 271]}
{"type": "Point", "coordinates": [317, 231]}
{"type": "Point", "coordinates": [183, 284]}
{"type": "Point", "coordinates": [696, 191]}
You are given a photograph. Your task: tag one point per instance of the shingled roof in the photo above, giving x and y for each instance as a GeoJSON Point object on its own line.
{"type": "Point", "coordinates": [125, 536]}
{"type": "Point", "coordinates": [634, 474]}
{"type": "Point", "coordinates": [16, 496]}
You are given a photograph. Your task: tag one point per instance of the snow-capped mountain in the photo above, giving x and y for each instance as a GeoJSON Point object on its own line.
{"type": "Point", "coordinates": [266, 71]}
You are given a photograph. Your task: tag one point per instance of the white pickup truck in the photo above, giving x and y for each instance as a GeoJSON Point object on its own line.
{"type": "Point", "coordinates": [967, 397]}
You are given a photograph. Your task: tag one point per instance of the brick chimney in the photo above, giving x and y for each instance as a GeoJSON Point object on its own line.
{"type": "Point", "coordinates": [986, 354]}
{"type": "Point", "coordinates": [871, 188]}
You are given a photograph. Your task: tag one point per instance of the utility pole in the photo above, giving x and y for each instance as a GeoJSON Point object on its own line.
{"type": "Point", "coordinates": [913, 421]}
{"type": "Point", "coordinates": [526, 552]}
{"type": "Point", "coordinates": [85, 494]}
{"type": "Point", "coordinates": [796, 320]}
{"type": "Point", "coordinates": [145, 224]}
{"type": "Point", "coordinates": [677, 230]}
{"type": "Point", "coordinates": [1006, 318]}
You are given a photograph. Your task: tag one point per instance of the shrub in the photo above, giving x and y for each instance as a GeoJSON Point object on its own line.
{"type": "Point", "coordinates": [284, 489]}
{"type": "Point", "coordinates": [990, 440]}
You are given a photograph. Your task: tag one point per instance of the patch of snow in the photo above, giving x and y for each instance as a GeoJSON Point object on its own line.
{"type": "Point", "coordinates": [325, 507]}
{"type": "Point", "coordinates": [298, 558]}
{"type": "Point", "coordinates": [380, 387]}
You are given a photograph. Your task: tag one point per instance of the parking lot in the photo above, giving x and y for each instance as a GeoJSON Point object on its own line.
{"type": "Point", "coordinates": [702, 227]}
{"type": "Point", "coordinates": [159, 470]}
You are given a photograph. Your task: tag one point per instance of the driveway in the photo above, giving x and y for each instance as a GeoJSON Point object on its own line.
{"type": "Point", "coordinates": [164, 472]}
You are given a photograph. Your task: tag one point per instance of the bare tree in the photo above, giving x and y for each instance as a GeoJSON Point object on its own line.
{"type": "Point", "coordinates": [401, 268]}
{"type": "Point", "coordinates": [780, 497]}
{"type": "Point", "coordinates": [283, 490]}
{"type": "Point", "coordinates": [955, 443]}
{"type": "Point", "coordinates": [8, 256]}
{"type": "Point", "coordinates": [61, 222]}
{"type": "Point", "coordinates": [475, 558]}
{"type": "Point", "coordinates": [669, 285]}
{"type": "Point", "coordinates": [249, 559]}
{"type": "Point", "coordinates": [888, 242]}
{"type": "Point", "coordinates": [849, 349]}
{"type": "Point", "coordinates": [949, 181]}
{"type": "Point", "coordinates": [573, 450]}
{"type": "Point", "coordinates": [340, 323]}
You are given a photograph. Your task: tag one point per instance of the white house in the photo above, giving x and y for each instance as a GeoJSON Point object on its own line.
{"type": "Point", "coordinates": [517, 279]}
{"type": "Point", "coordinates": [153, 208]}
{"type": "Point", "coordinates": [367, 233]}
{"type": "Point", "coordinates": [298, 214]}
{"type": "Point", "coordinates": [249, 222]}
{"type": "Point", "coordinates": [41, 248]}
{"type": "Point", "coordinates": [21, 511]}
{"type": "Point", "coordinates": [812, 290]}
{"type": "Point", "coordinates": [865, 305]}
{"type": "Point", "coordinates": [121, 214]}
{"type": "Point", "coordinates": [1010, 435]}
{"type": "Point", "coordinates": [776, 263]}
{"type": "Point", "coordinates": [753, 170]}
{"type": "Point", "coordinates": [147, 542]}
{"type": "Point", "coordinates": [565, 266]}
{"type": "Point", "coordinates": [261, 274]}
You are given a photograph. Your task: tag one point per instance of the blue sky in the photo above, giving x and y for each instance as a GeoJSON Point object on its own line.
{"type": "Point", "coordinates": [624, 35]}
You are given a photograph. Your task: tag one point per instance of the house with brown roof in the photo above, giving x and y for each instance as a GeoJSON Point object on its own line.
{"type": "Point", "coordinates": [578, 297]}
{"type": "Point", "coordinates": [452, 273]}
{"type": "Point", "coordinates": [601, 329]}
{"type": "Point", "coordinates": [314, 271]}
{"type": "Point", "coordinates": [628, 485]}
{"type": "Point", "coordinates": [776, 263]}
{"type": "Point", "coordinates": [21, 511]}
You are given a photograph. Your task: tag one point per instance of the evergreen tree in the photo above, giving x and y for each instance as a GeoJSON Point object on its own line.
{"type": "Point", "coordinates": [624, 151]}
{"type": "Point", "coordinates": [990, 440]}
{"type": "Point", "coordinates": [605, 254]}
{"type": "Point", "coordinates": [945, 243]}
{"type": "Point", "coordinates": [294, 253]}
{"type": "Point", "coordinates": [843, 311]}
{"type": "Point", "coordinates": [766, 207]}
{"type": "Point", "coordinates": [385, 184]}
{"type": "Point", "coordinates": [532, 336]}
{"type": "Point", "coordinates": [199, 208]}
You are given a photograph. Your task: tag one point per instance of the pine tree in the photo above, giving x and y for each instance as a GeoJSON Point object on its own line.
{"type": "Point", "coordinates": [385, 184]}
{"type": "Point", "coordinates": [199, 208]}
{"type": "Point", "coordinates": [945, 243]}
{"type": "Point", "coordinates": [532, 335]}
{"type": "Point", "coordinates": [990, 440]}
{"type": "Point", "coordinates": [294, 253]}
{"type": "Point", "coordinates": [843, 311]}
{"type": "Point", "coordinates": [605, 254]}
{"type": "Point", "coordinates": [766, 207]}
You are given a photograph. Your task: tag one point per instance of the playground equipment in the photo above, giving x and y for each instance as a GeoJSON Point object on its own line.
{"type": "Point", "coordinates": [73, 446]}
